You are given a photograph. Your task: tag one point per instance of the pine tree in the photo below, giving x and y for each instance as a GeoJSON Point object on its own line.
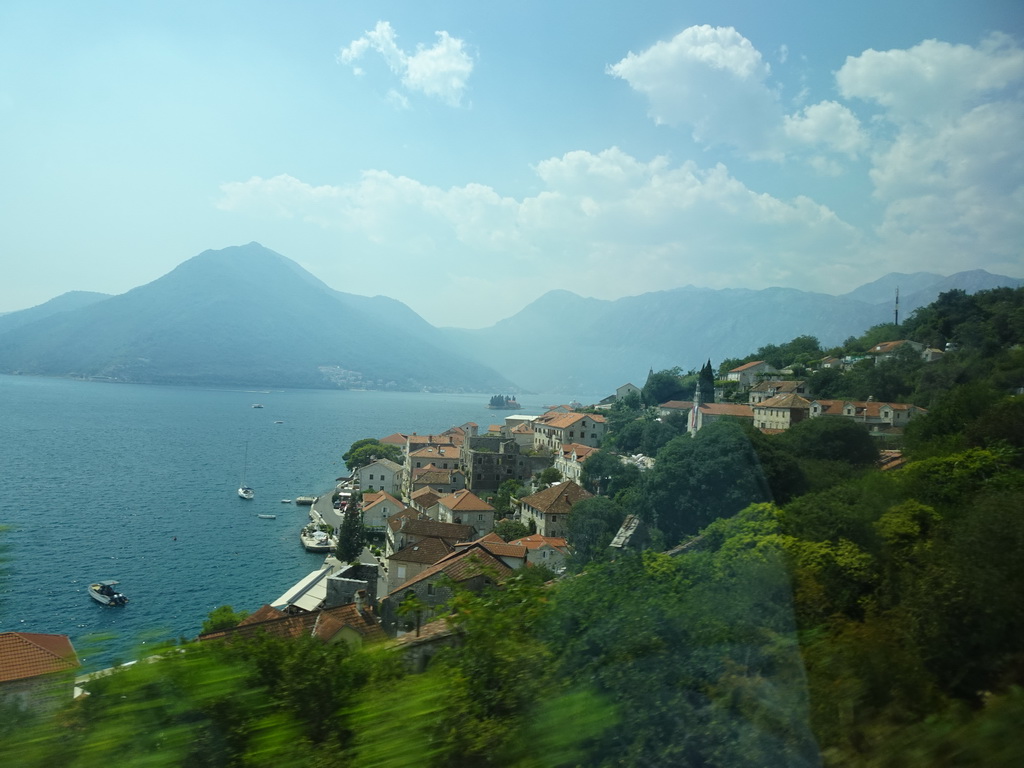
{"type": "Point", "coordinates": [351, 537]}
{"type": "Point", "coordinates": [706, 382]}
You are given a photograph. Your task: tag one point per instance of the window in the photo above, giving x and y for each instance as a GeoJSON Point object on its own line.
{"type": "Point", "coordinates": [480, 517]}
{"type": "Point", "coordinates": [430, 588]}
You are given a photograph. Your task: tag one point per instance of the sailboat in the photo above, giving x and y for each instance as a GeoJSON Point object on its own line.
{"type": "Point", "coordinates": [244, 491]}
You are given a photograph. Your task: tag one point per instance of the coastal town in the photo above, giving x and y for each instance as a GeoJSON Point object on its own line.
{"type": "Point", "coordinates": [745, 545]}
{"type": "Point", "coordinates": [428, 522]}
{"type": "Point", "coordinates": [431, 521]}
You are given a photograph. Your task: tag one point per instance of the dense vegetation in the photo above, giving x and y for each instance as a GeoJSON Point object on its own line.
{"type": "Point", "coordinates": [820, 611]}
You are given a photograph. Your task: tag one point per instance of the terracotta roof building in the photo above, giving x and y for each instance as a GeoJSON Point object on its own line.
{"type": "Point", "coordinates": [37, 670]}
{"type": "Point", "coordinates": [549, 509]}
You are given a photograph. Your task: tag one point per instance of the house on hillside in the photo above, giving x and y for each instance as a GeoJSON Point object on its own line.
{"type": "Point", "coordinates": [707, 413]}
{"type": "Point", "coordinates": [886, 349]}
{"type": "Point", "coordinates": [491, 460]}
{"type": "Point", "coordinates": [548, 510]}
{"type": "Point", "coordinates": [779, 413]}
{"type": "Point", "coordinates": [37, 671]}
{"type": "Point", "coordinates": [879, 418]}
{"type": "Point", "coordinates": [466, 508]}
{"type": "Point", "coordinates": [626, 390]}
{"type": "Point", "coordinates": [550, 551]}
{"type": "Point", "coordinates": [512, 555]}
{"type": "Point", "coordinates": [377, 508]}
{"type": "Point", "coordinates": [553, 430]}
{"type": "Point", "coordinates": [409, 527]}
{"type": "Point", "coordinates": [443, 481]}
{"type": "Point", "coordinates": [749, 374]}
{"type": "Point", "coordinates": [769, 388]}
{"type": "Point", "coordinates": [473, 569]}
{"type": "Point", "coordinates": [381, 475]}
{"type": "Point", "coordinates": [414, 558]}
{"type": "Point", "coordinates": [569, 460]}
{"type": "Point", "coordinates": [424, 498]}
{"type": "Point", "coordinates": [355, 624]}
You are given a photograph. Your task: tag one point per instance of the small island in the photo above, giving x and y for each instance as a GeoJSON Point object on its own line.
{"type": "Point", "coordinates": [503, 403]}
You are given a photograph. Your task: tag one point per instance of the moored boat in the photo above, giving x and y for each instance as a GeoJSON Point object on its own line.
{"type": "Point", "coordinates": [104, 592]}
{"type": "Point", "coordinates": [267, 517]}
{"type": "Point", "coordinates": [245, 491]}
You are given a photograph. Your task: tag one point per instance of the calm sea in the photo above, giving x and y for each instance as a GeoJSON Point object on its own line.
{"type": "Point", "coordinates": [138, 484]}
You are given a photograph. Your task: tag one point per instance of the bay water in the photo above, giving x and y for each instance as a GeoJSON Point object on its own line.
{"type": "Point", "coordinates": [138, 483]}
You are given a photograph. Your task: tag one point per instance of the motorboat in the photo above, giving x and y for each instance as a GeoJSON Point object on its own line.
{"type": "Point", "coordinates": [105, 593]}
{"type": "Point", "coordinates": [267, 517]}
{"type": "Point", "coordinates": [257, 405]}
{"type": "Point", "coordinates": [286, 501]}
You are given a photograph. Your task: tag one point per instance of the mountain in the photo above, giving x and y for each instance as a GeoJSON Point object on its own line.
{"type": "Point", "coordinates": [244, 316]}
{"type": "Point", "coordinates": [883, 290]}
{"type": "Point", "coordinates": [566, 343]}
{"type": "Point", "coordinates": [247, 316]}
{"type": "Point", "coordinates": [63, 303]}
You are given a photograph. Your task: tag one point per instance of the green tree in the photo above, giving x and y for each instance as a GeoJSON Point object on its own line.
{"type": "Point", "coordinates": [663, 386]}
{"type": "Point", "coordinates": [506, 491]}
{"type": "Point", "coordinates": [592, 525]}
{"type": "Point", "coordinates": [511, 529]}
{"type": "Point", "coordinates": [549, 476]}
{"type": "Point", "coordinates": [605, 473]}
{"type": "Point", "coordinates": [831, 439]}
{"type": "Point", "coordinates": [368, 450]}
{"type": "Point", "coordinates": [697, 480]}
{"type": "Point", "coordinates": [352, 537]}
{"type": "Point", "coordinates": [223, 617]}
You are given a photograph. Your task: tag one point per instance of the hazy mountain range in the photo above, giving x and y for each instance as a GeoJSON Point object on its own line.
{"type": "Point", "coordinates": [247, 316]}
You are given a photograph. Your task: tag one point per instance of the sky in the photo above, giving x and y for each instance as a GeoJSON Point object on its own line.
{"type": "Point", "coordinates": [466, 158]}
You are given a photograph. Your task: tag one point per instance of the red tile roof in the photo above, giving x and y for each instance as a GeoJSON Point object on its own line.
{"type": "Point", "coordinates": [745, 366]}
{"type": "Point", "coordinates": [325, 624]}
{"type": "Point", "coordinates": [462, 566]}
{"type": "Point", "coordinates": [558, 498]}
{"type": "Point", "coordinates": [29, 654]}
{"type": "Point", "coordinates": [454, 532]}
{"type": "Point", "coordinates": [465, 501]}
{"type": "Point", "coordinates": [427, 550]}
{"type": "Point", "coordinates": [536, 541]}
{"type": "Point", "coordinates": [786, 400]}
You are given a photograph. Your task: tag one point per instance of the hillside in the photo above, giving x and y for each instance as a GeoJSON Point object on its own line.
{"type": "Point", "coordinates": [242, 316]}
{"type": "Point", "coordinates": [578, 344]}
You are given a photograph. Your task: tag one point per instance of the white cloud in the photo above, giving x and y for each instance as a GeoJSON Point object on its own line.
{"type": "Point", "coordinates": [595, 214]}
{"type": "Point", "coordinates": [948, 164]}
{"type": "Point", "coordinates": [711, 79]}
{"type": "Point", "coordinates": [440, 71]}
{"type": "Point", "coordinates": [934, 79]}
{"type": "Point", "coordinates": [827, 124]}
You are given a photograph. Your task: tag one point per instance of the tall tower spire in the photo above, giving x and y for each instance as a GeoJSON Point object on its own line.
{"type": "Point", "coordinates": [896, 314]}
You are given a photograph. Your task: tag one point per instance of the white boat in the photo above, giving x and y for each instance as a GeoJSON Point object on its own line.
{"type": "Point", "coordinates": [256, 405]}
{"type": "Point", "coordinates": [104, 592]}
{"type": "Point", "coordinates": [245, 491]}
{"type": "Point", "coordinates": [286, 501]}
{"type": "Point", "coordinates": [267, 517]}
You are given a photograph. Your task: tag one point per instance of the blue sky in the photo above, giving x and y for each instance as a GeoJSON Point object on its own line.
{"type": "Point", "coordinates": [466, 158]}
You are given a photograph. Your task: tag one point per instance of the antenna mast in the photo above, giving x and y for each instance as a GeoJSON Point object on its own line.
{"type": "Point", "coordinates": [897, 312]}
